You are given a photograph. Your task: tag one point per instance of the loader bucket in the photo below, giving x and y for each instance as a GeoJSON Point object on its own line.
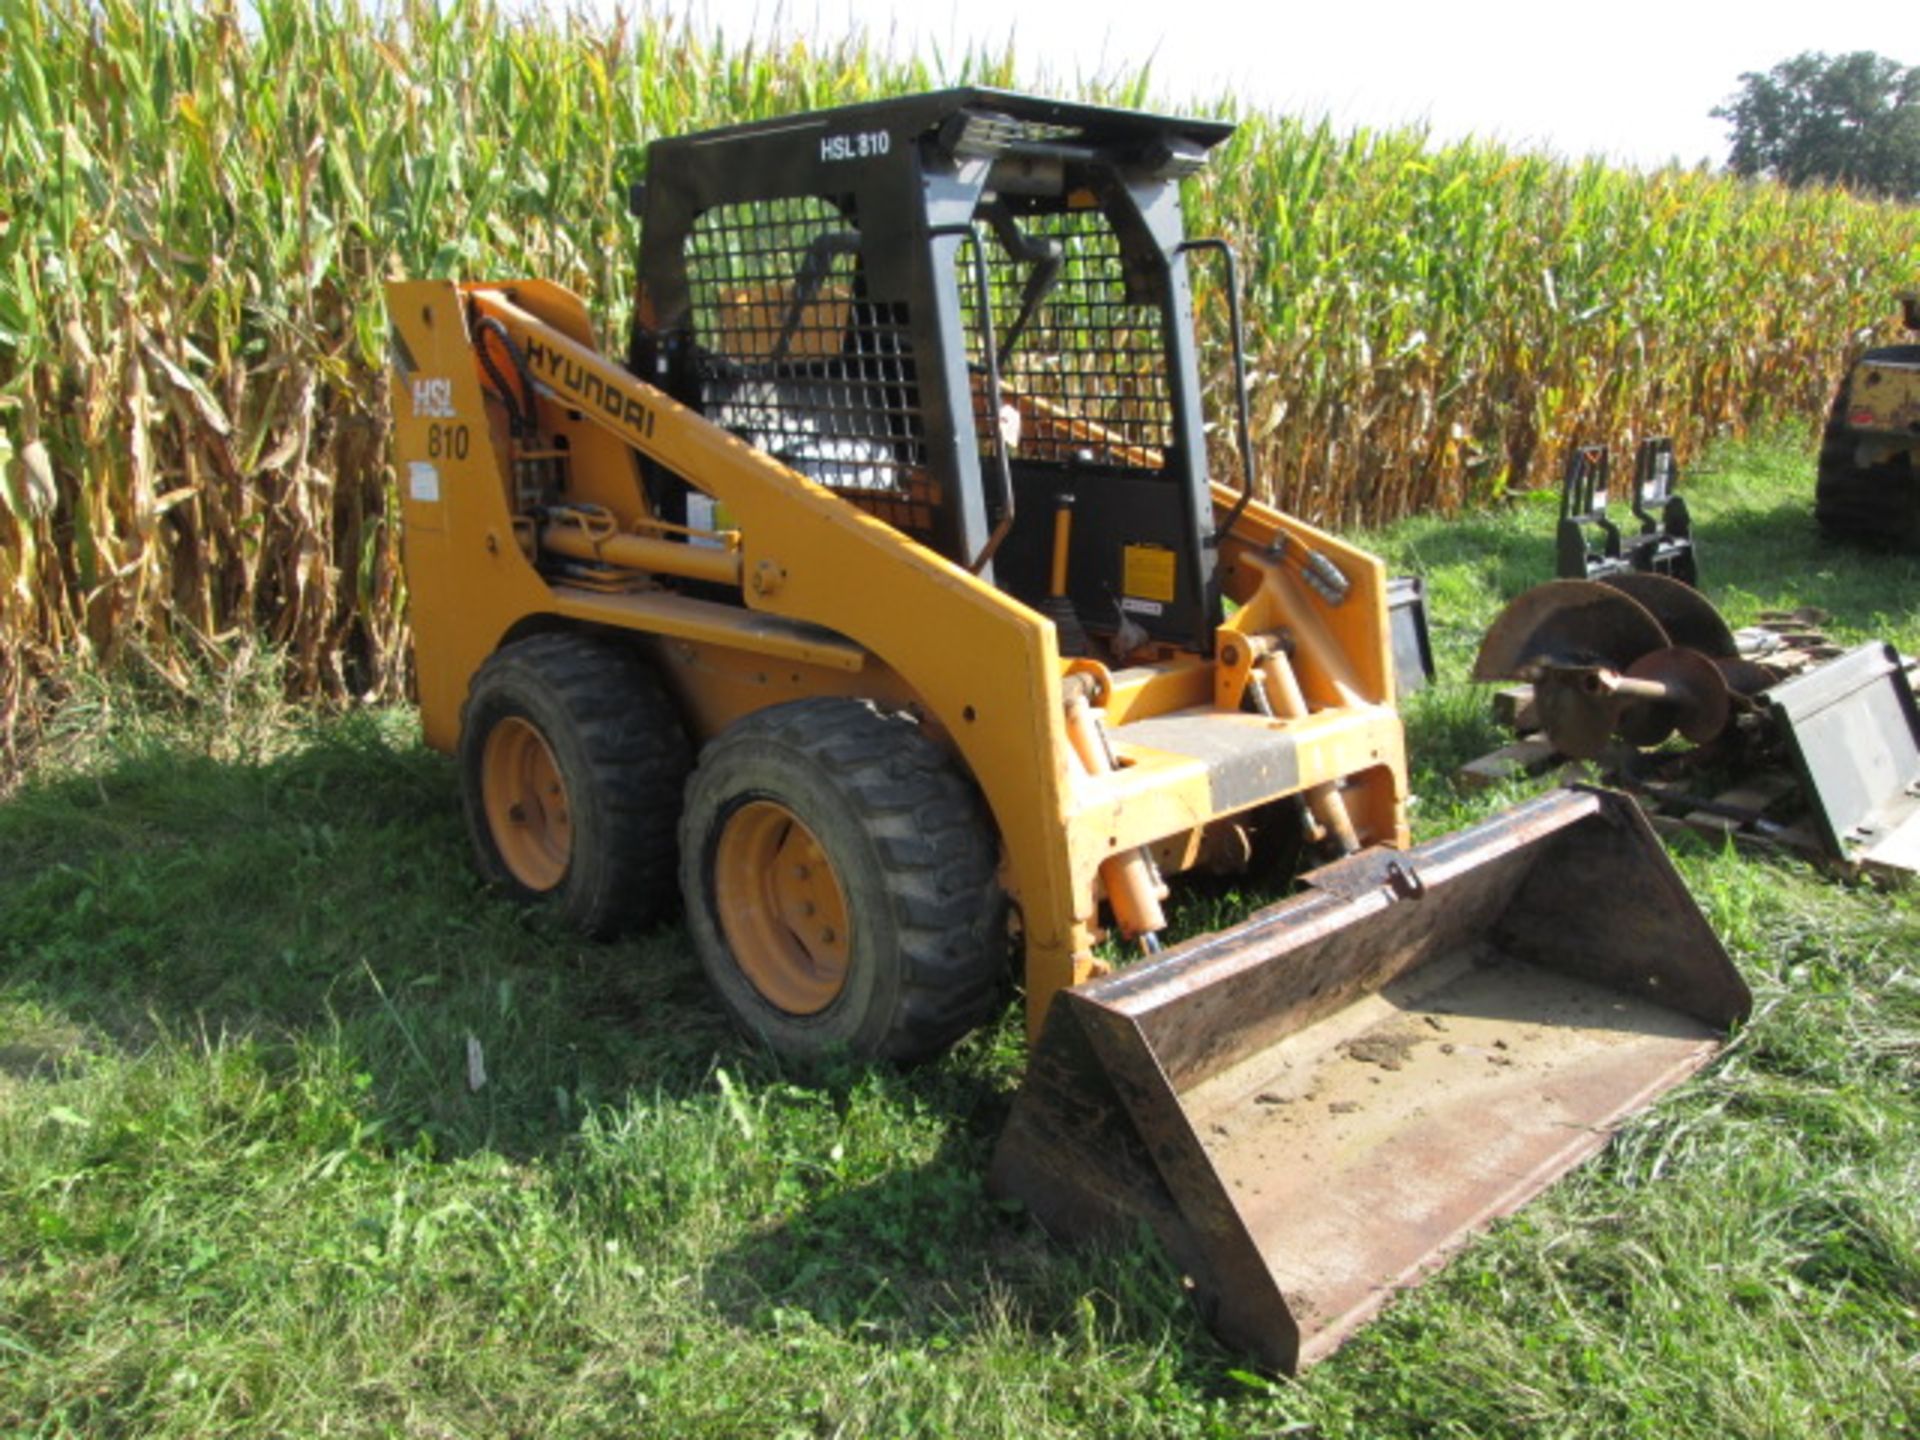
{"type": "Point", "coordinates": [1314, 1108]}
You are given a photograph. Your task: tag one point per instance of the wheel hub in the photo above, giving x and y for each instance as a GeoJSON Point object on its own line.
{"type": "Point", "coordinates": [781, 907]}
{"type": "Point", "coordinates": [526, 804]}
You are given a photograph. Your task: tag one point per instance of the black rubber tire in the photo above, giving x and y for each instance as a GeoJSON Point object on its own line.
{"type": "Point", "coordinates": [622, 753]}
{"type": "Point", "coordinates": [1281, 850]}
{"type": "Point", "coordinates": [915, 854]}
{"type": "Point", "coordinates": [1877, 505]}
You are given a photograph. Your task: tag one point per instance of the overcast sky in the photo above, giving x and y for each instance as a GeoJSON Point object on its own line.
{"type": "Point", "coordinates": [1631, 79]}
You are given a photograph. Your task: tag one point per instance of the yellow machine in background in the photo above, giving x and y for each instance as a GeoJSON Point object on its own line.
{"type": "Point", "coordinates": [879, 608]}
{"type": "Point", "coordinates": [1869, 482]}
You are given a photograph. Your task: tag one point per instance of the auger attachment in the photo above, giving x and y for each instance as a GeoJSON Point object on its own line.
{"type": "Point", "coordinates": [1603, 664]}
{"type": "Point", "coordinates": [1634, 659]}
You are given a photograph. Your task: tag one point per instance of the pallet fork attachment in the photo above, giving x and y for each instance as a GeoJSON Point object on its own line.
{"type": "Point", "coordinates": [1664, 542]}
{"type": "Point", "coordinates": [1313, 1109]}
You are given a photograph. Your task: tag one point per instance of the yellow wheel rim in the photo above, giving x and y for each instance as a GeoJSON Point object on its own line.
{"type": "Point", "coordinates": [526, 804]}
{"type": "Point", "coordinates": [781, 908]}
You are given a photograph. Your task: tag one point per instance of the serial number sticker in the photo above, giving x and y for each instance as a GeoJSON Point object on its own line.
{"type": "Point", "coordinates": [1147, 573]}
{"type": "Point", "coordinates": [423, 482]}
{"type": "Point", "coordinates": [1142, 607]}
{"type": "Point", "coordinates": [865, 145]}
{"type": "Point", "coordinates": [433, 399]}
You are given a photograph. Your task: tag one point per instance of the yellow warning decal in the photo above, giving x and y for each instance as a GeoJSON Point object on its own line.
{"type": "Point", "coordinates": [1147, 573]}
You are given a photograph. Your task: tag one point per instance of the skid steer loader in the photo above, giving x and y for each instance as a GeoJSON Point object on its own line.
{"type": "Point", "coordinates": [1869, 479]}
{"type": "Point", "coordinates": [885, 586]}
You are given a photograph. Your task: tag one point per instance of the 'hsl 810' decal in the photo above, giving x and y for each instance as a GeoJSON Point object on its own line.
{"type": "Point", "coordinates": [433, 398]}
{"type": "Point", "coordinates": [583, 385]}
{"type": "Point", "coordinates": [866, 145]}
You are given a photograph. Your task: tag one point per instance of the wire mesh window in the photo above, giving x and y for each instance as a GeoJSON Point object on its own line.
{"type": "Point", "coordinates": [795, 358]}
{"type": "Point", "coordinates": [1088, 370]}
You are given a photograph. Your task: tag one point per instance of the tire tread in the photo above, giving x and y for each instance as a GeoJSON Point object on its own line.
{"type": "Point", "coordinates": [637, 758]}
{"type": "Point", "coordinates": [927, 824]}
{"type": "Point", "coordinates": [1877, 505]}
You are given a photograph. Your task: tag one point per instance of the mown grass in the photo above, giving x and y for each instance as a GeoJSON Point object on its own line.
{"type": "Point", "coordinates": [247, 1188]}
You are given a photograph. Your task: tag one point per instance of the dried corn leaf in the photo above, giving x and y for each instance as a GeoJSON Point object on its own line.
{"type": "Point", "coordinates": [196, 393]}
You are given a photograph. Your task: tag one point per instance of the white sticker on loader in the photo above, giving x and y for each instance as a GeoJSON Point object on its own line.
{"type": "Point", "coordinates": [1136, 606]}
{"type": "Point", "coordinates": [433, 399]}
{"type": "Point", "coordinates": [866, 145]}
{"type": "Point", "coordinates": [423, 482]}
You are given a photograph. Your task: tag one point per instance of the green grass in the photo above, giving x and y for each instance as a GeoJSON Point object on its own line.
{"type": "Point", "coordinates": [245, 1186]}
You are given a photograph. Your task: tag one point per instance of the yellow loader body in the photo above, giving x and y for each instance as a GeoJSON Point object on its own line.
{"type": "Point", "coordinates": [980, 668]}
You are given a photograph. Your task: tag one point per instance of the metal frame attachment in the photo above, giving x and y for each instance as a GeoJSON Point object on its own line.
{"type": "Point", "coordinates": [1664, 542]}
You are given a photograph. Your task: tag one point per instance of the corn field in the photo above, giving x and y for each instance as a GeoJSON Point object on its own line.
{"type": "Point", "coordinates": [200, 206]}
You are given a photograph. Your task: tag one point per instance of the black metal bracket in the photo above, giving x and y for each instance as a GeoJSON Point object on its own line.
{"type": "Point", "coordinates": [1664, 543]}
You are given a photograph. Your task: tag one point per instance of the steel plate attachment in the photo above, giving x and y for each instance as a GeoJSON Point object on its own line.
{"type": "Point", "coordinates": [1853, 730]}
{"type": "Point", "coordinates": [1313, 1109]}
{"type": "Point", "coordinates": [1407, 634]}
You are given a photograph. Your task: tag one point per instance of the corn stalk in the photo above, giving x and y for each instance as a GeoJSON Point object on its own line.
{"type": "Point", "coordinates": [200, 205]}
